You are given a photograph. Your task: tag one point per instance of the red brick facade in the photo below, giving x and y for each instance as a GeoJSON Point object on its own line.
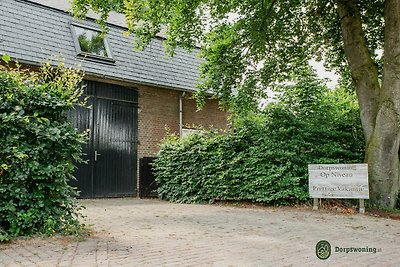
{"type": "Point", "coordinates": [209, 116]}
{"type": "Point", "coordinates": [159, 114]}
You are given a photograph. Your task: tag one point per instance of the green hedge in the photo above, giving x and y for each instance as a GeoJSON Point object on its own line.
{"type": "Point", "coordinates": [38, 149]}
{"type": "Point", "coordinates": [264, 158]}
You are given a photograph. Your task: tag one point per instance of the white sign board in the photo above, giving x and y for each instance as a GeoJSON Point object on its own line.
{"type": "Point", "coordinates": [338, 181]}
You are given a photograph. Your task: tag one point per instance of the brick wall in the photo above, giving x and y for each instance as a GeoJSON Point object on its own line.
{"type": "Point", "coordinates": [158, 114]}
{"type": "Point", "coordinates": [159, 111]}
{"type": "Point", "coordinates": [209, 116]}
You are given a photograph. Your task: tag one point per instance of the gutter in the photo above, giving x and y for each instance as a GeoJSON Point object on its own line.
{"type": "Point", "coordinates": [181, 96]}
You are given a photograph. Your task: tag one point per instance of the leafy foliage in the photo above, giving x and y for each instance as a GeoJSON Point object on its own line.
{"type": "Point", "coordinates": [264, 158]}
{"type": "Point", "coordinates": [244, 41]}
{"type": "Point", "coordinates": [249, 46]}
{"type": "Point", "coordinates": [38, 149]}
{"type": "Point", "coordinates": [92, 43]}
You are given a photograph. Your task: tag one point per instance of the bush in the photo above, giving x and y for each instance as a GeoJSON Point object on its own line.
{"type": "Point", "coordinates": [264, 158]}
{"type": "Point", "coordinates": [38, 150]}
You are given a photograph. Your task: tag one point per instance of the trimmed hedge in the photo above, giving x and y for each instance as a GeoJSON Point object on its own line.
{"type": "Point", "coordinates": [264, 158]}
{"type": "Point", "coordinates": [38, 149]}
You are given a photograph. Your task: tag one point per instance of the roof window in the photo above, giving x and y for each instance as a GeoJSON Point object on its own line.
{"type": "Point", "coordinates": [91, 43]}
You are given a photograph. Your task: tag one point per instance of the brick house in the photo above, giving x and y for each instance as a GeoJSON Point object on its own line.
{"type": "Point", "coordinates": [134, 94]}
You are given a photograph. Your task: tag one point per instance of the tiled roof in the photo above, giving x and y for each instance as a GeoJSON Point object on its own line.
{"type": "Point", "coordinates": [33, 33]}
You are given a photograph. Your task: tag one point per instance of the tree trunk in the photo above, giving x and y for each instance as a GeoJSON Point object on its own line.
{"type": "Point", "coordinates": [379, 105]}
{"type": "Point", "coordinates": [363, 70]}
{"type": "Point", "coordinates": [383, 148]}
{"type": "Point", "coordinates": [382, 157]}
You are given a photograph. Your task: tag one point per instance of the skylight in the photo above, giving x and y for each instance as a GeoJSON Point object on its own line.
{"type": "Point", "coordinates": [90, 43]}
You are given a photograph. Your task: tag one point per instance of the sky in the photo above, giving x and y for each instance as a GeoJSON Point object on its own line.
{"type": "Point", "coordinates": [323, 73]}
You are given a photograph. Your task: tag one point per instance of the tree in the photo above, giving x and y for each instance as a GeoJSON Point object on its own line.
{"type": "Point", "coordinates": [249, 45]}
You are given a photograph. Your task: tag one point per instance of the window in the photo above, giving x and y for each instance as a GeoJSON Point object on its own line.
{"type": "Point", "coordinates": [186, 132]}
{"type": "Point", "coordinates": [90, 43]}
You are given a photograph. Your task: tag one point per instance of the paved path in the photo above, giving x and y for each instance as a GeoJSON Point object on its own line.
{"type": "Point", "coordinates": [133, 232]}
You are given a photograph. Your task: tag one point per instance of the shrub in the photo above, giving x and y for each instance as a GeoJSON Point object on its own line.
{"type": "Point", "coordinates": [264, 157]}
{"type": "Point", "coordinates": [38, 150]}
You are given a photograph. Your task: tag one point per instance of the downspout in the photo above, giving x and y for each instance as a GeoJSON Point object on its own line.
{"type": "Point", "coordinates": [181, 96]}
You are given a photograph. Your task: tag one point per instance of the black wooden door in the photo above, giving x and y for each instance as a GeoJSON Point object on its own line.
{"type": "Point", "coordinates": [111, 150]}
{"type": "Point", "coordinates": [82, 119]}
{"type": "Point", "coordinates": [114, 147]}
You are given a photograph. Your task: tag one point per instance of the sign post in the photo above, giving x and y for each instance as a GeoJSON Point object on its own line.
{"type": "Point", "coordinates": [338, 181]}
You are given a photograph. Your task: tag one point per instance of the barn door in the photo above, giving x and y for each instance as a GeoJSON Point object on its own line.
{"type": "Point", "coordinates": [111, 151]}
{"type": "Point", "coordinates": [114, 149]}
{"type": "Point", "coordinates": [82, 119]}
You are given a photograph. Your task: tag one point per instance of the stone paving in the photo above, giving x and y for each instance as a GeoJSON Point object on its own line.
{"type": "Point", "coordinates": [134, 232]}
